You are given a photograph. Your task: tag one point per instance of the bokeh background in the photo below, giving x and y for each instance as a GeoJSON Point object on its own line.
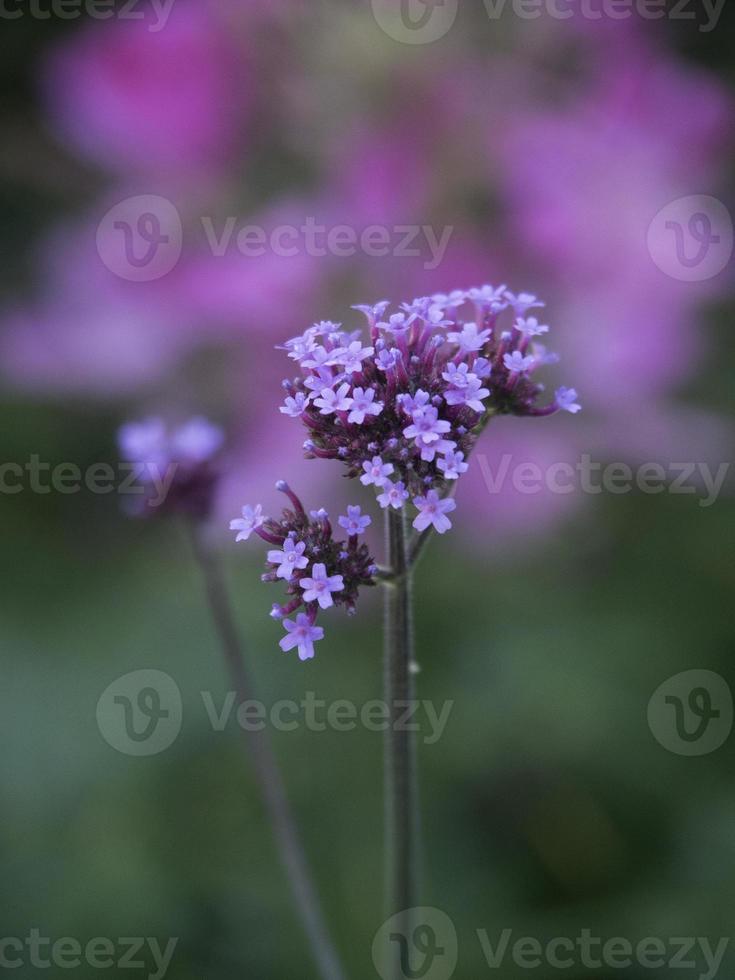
{"type": "Point", "coordinates": [548, 147]}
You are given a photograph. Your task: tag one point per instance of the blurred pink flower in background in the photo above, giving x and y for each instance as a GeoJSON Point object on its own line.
{"type": "Point", "coordinates": [546, 180]}
{"type": "Point", "coordinates": [170, 99]}
{"type": "Point", "coordinates": [96, 333]}
{"type": "Point", "coordinates": [583, 181]}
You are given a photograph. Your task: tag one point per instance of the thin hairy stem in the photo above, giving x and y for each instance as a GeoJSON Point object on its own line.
{"type": "Point", "coordinates": [401, 794]}
{"type": "Point", "coordinates": [266, 769]}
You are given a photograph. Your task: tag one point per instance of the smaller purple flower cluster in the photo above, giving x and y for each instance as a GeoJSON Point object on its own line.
{"type": "Point", "coordinates": [319, 571]}
{"type": "Point", "coordinates": [412, 402]}
{"type": "Point", "coordinates": [179, 461]}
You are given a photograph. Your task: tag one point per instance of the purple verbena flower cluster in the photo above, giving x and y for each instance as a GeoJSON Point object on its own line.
{"type": "Point", "coordinates": [319, 571]}
{"type": "Point", "coordinates": [411, 403]}
{"type": "Point", "coordinates": [175, 466]}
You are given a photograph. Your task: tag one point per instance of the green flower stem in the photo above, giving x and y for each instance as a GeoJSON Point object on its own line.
{"type": "Point", "coordinates": [266, 769]}
{"type": "Point", "coordinates": [401, 793]}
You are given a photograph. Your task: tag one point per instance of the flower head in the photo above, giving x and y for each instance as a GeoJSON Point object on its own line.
{"type": "Point", "coordinates": [330, 401]}
{"type": "Point", "coordinates": [252, 518]}
{"type": "Point", "coordinates": [180, 459]}
{"type": "Point", "coordinates": [566, 400]}
{"type": "Point", "coordinates": [318, 571]}
{"type": "Point", "coordinates": [289, 559]}
{"type": "Point", "coordinates": [363, 404]}
{"type": "Point", "coordinates": [320, 586]}
{"type": "Point", "coordinates": [355, 522]}
{"type": "Point", "coordinates": [432, 511]}
{"type": "Point", "coordinates": [452, 465]}
{"type": "Point", "coordinates": [302, 634]}
{"type": "Point", "coordinates": [531, 327]}
{"type": "Point", "coordinates": [376, 471]}
{"type": "Point", "coordinates": [516, 363]}
{"type": "Point", "coordinates": [394, 495]}
{"type": "Point", "coordinates": [296, 405]}
{"type": "Point", "coordinates": [425, 385]}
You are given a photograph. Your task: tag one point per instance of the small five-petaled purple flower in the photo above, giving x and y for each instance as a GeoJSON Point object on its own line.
{"type": "Point", "coordinates": [289, 559]}
{"type": "Point", "coordinates": [320, 586]}
{"type": "Point", "coordinates": [252, 518]}
{"type": "Point", "coordinates": [433, 510]}
{"type": "Point", "coordinates": [355, 522]}
{"type": "Point", "coordinates": [302, 634]}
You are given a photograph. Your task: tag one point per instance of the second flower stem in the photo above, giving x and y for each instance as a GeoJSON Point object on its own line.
{"type": "Point", "coordinates": [401, 790]}
{"type": "Point", "coordinates": [267, 772]}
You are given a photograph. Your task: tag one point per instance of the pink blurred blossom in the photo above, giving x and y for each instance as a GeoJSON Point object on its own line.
{"type": "Point", "coordinates": [171, 101]}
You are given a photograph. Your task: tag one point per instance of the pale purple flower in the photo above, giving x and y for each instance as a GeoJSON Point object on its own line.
{"type": "Point", "coordinates": [543, 356]}
{"type": "Point", "coordinates": [427, 427]}
{"type": "Point", "coordinates": [469, 338]}
{"type": "Point", "coordinates": [516, 363]}
{"type": "Point", "coordinates": [416, 308]}
{"type": "Point", "coordinates": [397, 323]}
{"type": "Point", "coordinates": [319, 357]}
{"type": "Point", "coordinates": [456, 374]}
{"type": "Point", "coordinates": [252, 518]}
{"type": "Point", "coordinates": [433, 510]}
{"type": "Point", "coordinates": [429, 451]}
{"type": "Point", "coordinates": [489, 296]}
{"type": "Point", "coordinates": [531, 327]}
{"type": "Point", "coordinates": [331, 401]}
{"type": "Point", "coordinates": [386, 359]}
{"type": "Point", "coordinates": [351, 357]}
{"type": "Point", "coordinates": [363, 404]}
{"type": "Point", "coordinates": [294, 407]}
{"type": "Point", "coordinates": [393, 495]}
{"type": "Point", "coordinates": [522, 302]}
{"type": "Point", "coordinates": [373, 312]}
{"type": "Point", "coordinates": [322, 378]}
{"type": "Point", "coordinates": [452, 465]}
{"type": "Point", "coordinates": [376, 471]}
{"type": "Point", "coordinates": [325, 328]}
{"type": "Point", "coordinates": [355, 522]}
{"type": "Point", "coordinates": [320, 586]}
{"type": "Point", "coordinates": [145, 442]}
{"type": "Point", "coordinates": [456, 298]}
{"type": "Point", "coordinates": [288, 560]}
{"type": "Point", "coordinates": [302, 634]}
{"type": "Point", "coordinates": [196, 441]}
{"type": "Point", "coordinates": [299, 347]}
{"type": "Point", "coordinates": [471, 394]}
{"type": "Point", "coordinates": [434, 316]}
{"type": "Point", "coordinates": [412, 404]}
{"type": "Point", "coordinates": [566, 400]}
